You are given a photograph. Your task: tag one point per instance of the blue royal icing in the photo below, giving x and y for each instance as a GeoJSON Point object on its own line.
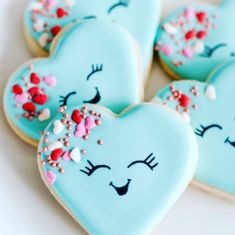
{"type": "Point", "coordinates": [126, 173]}
{"type": "Point", "coordinates": [44, 17]}
{"type": "Point", "coordinates": [198, 36]}
{"type": "Point", "coordinates": [210, 109]}
{"type": "Point", "coordinates": [94, 62]}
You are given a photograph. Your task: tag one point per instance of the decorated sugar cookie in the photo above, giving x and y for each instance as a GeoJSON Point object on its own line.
{"type": "Point", "coordinates": [195, 39]}
{"type": "Point", "coordinates": [94, 62]}
{"type": "Point", "coordinates": [45, 18]}
{"type": "Point", "coordinates": [209, 107]}
{"type": "Point", "coordinates": [117, 174]}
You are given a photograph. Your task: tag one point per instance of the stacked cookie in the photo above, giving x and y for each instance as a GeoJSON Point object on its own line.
{"type": "Point", "coordinates": [197, 43]}
{"type": "Point", "coordinates": [104, 154]}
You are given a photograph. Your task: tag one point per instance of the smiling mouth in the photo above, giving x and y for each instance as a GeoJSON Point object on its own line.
{"type": "Point", "coordinates": [121, 191]}
{"type": "Point", "coordinates": [96, 98]}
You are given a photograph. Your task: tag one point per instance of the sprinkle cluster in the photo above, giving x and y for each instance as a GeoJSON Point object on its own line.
{"type": "Point", "coordinates": [31, 96]}
{"type": "Point", "coordinates": [49, 9]}
{"type": "Point", "coordinates": [80, 125]}
{"type": "Point", "coordinates": [186, 34]}
{"type": "Point", "coordinates": [184, 101]}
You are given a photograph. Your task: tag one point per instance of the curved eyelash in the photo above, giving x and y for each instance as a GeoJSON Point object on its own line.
{"type": "Point", "coordinates": [91, 169]}
{"type": "Point", "coordinates": [64, 99]}
{"type": "Point", "coordinates": [148, 161]}
{"type": "Point", "coordinates": [94, 69]}
{"type": "Point", "coordinates": [210, 51]}
{"type": "Point", "coordinates": [201, 132]}
{"type": "Point", "coordinates": [122, 3]}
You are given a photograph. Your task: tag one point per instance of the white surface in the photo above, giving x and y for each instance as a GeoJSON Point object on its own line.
{"type": "Point", "coordinates": [27, 208]}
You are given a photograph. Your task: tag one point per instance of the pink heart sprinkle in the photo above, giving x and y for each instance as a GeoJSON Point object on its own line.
{"type": "Point", "coordinates": [21, 98]}
{"type": "Point", "coordinates": [80, 130]}
{"type": "Point", "coordinates": [167, 50]}
{"type": "Point", "coordinates": [51, 177]}
{"type": "Point", "coordinates": [189, 13]}
{"type": "Point", "coordinates": [90, 123]}
{"type": "Point", "coordinates": [66, 156]}
{"type": "Point", "coordinates": [50, 4]}
{"type": "Point", "coordinates": [188, 52]}
{"type": "Point", "coordinates": [50, 81]}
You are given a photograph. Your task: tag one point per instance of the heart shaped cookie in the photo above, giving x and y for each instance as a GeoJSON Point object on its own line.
{"type": "Point", "coordinates": [93, 62]}
{"type": "Point", "coordinates": [124, 175]}
{"type": "Point", "coordinates": [198, 36]}
{"type": "Point", "coordinates": [210, 110]}
{"type": "Point", "coordinates": [44, 19]}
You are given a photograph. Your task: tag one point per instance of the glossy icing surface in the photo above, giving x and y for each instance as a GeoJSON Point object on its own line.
{"type": "Point", "coordinates": [94, 62]}
{"type": "Point", "coordinates": [42, 17]}
{"type": "Point", "coordinates": [197, 36]}
{"type": "Point", "coordinates": [211, 110]}
{"type": "Point", "coordinates": [122, 177]}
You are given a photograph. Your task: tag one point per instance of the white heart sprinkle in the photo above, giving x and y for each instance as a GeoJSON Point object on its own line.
{"type": "Point", "coordinates": [45, 115]}
{"type": "Point", "coordinates": [69, 3]}
{"type": "Point", "coordinates": [39, 25]}
{"type": "Point", "coordinates": [58, 127]}
{"type": "Point", "coordinates": [35, 6]}
{"type": "Point", "coordinates": [76, 155]}
{"type": "Point", "coordinates": [199, 47]}
{"type": "Point", "coordinates": [210, 92]}
{"type": "Point", "coordinates": [186, 117]}
{"type": "Point", "coordinates": [170, 29]}
{"type": "Point", "coordinates": [43, 40]}
{"type": "Point", "coordinates": [55, 145]}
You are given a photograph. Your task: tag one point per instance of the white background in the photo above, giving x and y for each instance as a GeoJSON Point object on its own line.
{"type": "Point", "coordinates": [27, 208]}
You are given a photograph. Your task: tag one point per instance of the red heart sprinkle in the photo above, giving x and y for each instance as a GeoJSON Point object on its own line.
{"type": "Point", "coordinates": [201, 17]}
{"type": "Point", "coordinates": [17, 89]}
{"type": "Point", "coordinates": [40, 99]}
{"type": "Point", "coordinates": [185, 101]}
{"type": "Point", "coordinates": [202, 34]}
{"type": "Point", "coordinates": [190, 34]}
{"type": "Point", "coordinates": [35, 91]}
{"type": "Point", "coordinates": [34, 78]}
{"type": "Point", "coordinates": [56, 154]}
{"type": "Point", "coordinates": [56, 29]}
{"type": "Point", "coordinates": [61, 13]}
{"type": "Point", "coordinates": [76, 116]}
{"type": "Point", "coordinates": [30, 107]}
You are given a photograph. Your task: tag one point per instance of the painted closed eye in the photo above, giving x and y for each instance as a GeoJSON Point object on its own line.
{"type": "Point", "coordinates": [64, 99]}
{"type": "Point", "coordinates": [120, 3]}
{"type": "Point", "coordinates": [209, 51]}
{"type": "Point", "coordinates": [149, 162]}
{"type": "Point", "coordinates": [92, 168]}
{"type": "Point", "coordinates": [94, 69]}
{"type": "Point", "coordinates": [203, 129]}
{"type": "Point", "coordinates": [89, 17]}
{"type": "Point", "coordinates": [228, 141]}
